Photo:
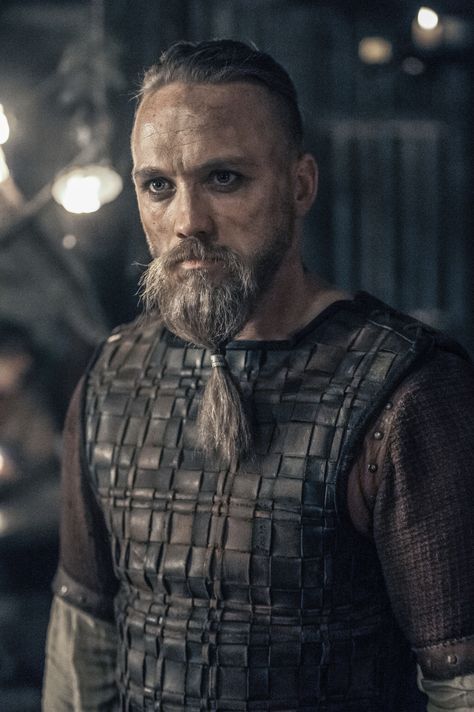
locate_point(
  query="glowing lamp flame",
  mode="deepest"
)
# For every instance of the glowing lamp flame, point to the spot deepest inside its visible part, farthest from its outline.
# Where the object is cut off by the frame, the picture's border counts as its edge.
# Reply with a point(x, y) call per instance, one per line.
point(81, 194)
point(85, 189)
point(427, 18)
point(4, 127)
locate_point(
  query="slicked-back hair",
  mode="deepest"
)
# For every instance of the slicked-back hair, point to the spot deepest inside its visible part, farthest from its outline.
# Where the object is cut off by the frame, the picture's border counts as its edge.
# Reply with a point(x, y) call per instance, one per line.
point(222, 62)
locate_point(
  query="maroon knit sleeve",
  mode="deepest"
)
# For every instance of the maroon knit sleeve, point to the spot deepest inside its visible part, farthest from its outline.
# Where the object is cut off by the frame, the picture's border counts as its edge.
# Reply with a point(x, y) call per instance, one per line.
point(85, 575)
point(424, 515)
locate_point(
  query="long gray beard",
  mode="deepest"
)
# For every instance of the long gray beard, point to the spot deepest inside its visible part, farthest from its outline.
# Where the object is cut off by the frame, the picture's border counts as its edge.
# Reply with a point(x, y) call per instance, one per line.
point(191, 305)
point(209, 314)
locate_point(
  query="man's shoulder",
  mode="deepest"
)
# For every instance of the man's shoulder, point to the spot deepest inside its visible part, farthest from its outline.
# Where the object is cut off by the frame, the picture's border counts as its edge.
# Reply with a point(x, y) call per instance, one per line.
point(444, 381)
point(377, 317)
point(372, 310)
point(379, 346)
point(129, 345)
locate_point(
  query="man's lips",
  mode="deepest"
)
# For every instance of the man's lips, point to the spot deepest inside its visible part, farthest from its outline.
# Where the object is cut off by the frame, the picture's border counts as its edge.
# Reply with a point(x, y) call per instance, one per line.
point(198, 264)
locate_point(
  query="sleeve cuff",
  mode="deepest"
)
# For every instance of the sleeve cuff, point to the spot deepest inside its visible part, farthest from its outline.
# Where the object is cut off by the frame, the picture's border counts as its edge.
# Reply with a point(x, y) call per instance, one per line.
point(81, 597)
point(447, 659)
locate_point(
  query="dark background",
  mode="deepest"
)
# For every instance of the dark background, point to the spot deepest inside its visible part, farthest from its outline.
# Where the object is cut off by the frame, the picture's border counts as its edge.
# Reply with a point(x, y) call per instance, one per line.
point(394, 215)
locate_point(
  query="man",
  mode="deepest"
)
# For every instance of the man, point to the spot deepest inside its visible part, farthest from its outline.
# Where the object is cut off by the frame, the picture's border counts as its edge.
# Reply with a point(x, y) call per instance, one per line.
point(269, 477)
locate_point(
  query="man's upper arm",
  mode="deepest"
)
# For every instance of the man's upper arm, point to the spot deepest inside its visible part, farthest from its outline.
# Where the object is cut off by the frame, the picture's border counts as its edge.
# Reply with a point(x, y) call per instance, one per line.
point(424, 516)
point(85, 576)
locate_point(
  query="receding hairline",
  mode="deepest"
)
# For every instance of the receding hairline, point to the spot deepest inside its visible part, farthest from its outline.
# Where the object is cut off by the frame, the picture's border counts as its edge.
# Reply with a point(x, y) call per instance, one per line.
point(275, 103)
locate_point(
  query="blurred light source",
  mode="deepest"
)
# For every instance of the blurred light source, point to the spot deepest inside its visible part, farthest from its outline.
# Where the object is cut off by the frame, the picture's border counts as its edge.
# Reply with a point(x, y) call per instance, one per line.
point(413, 66)
point(4, 172)
point(427, 18)
point(375, 50)
point(69, 242)
point(427, 29)
point(4, 127)
point(7, 468)
point(84, 189)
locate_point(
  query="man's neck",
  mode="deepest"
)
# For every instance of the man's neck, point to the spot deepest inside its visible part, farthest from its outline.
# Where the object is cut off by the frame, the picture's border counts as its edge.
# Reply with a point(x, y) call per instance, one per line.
point(294, 299)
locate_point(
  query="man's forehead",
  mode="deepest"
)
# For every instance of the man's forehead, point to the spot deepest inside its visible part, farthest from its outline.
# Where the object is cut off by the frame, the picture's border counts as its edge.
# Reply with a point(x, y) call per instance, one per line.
point(171, 122)
point(202, 108)
point(181, 127)
point(191, 143)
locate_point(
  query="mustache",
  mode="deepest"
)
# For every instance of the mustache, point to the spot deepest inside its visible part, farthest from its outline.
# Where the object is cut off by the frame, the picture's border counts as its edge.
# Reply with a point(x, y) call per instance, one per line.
point(189, 305)
point(194, 249)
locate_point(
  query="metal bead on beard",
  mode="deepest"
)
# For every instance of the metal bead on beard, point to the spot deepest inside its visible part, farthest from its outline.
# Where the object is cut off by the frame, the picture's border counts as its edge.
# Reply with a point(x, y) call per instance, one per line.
point(208, 312)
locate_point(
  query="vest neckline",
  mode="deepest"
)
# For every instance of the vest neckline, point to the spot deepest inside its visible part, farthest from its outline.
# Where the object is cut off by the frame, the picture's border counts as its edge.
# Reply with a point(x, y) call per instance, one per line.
point(286, 344)
point(361, 301)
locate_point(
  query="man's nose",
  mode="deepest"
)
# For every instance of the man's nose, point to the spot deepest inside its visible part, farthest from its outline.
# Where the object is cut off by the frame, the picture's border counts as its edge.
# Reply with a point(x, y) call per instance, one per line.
point(193, 216)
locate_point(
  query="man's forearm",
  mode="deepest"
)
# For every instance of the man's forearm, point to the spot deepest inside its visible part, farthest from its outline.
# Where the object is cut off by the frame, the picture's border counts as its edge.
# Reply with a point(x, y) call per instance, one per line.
point(455, 695)
point(80, 662)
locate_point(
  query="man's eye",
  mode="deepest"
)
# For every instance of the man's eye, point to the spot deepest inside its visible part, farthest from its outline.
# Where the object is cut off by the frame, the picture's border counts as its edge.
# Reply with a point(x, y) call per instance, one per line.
point(224, 178)
point(158, 185)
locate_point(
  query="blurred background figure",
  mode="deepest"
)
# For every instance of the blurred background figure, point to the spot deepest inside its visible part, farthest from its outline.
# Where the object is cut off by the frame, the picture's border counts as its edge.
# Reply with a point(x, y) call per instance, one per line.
point(27, 425)
point(29, 449)
point(387, 94)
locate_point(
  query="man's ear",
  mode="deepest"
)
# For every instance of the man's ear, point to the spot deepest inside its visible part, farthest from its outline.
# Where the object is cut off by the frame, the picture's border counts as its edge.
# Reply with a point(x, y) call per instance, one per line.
point(305, 183)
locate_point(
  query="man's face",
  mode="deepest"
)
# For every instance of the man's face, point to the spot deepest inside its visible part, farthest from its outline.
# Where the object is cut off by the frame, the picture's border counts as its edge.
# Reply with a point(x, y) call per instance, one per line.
point(211, 161)
point(213, 169)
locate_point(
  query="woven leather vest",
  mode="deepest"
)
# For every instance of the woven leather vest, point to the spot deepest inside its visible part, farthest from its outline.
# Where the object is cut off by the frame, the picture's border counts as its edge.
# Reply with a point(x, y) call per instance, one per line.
point(247, 588)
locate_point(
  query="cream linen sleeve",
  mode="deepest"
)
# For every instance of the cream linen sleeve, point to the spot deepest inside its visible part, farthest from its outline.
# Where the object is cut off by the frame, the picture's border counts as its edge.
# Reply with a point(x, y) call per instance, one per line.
point(455, 695)
point(80, 662)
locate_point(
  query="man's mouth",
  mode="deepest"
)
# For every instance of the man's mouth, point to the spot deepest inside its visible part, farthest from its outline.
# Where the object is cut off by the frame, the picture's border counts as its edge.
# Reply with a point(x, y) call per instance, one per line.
point(198, 264)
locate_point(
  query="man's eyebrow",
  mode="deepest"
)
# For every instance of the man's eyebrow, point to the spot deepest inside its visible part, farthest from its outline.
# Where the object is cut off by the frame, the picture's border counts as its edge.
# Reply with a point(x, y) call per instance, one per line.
point(148, 172)
point(227, 162)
